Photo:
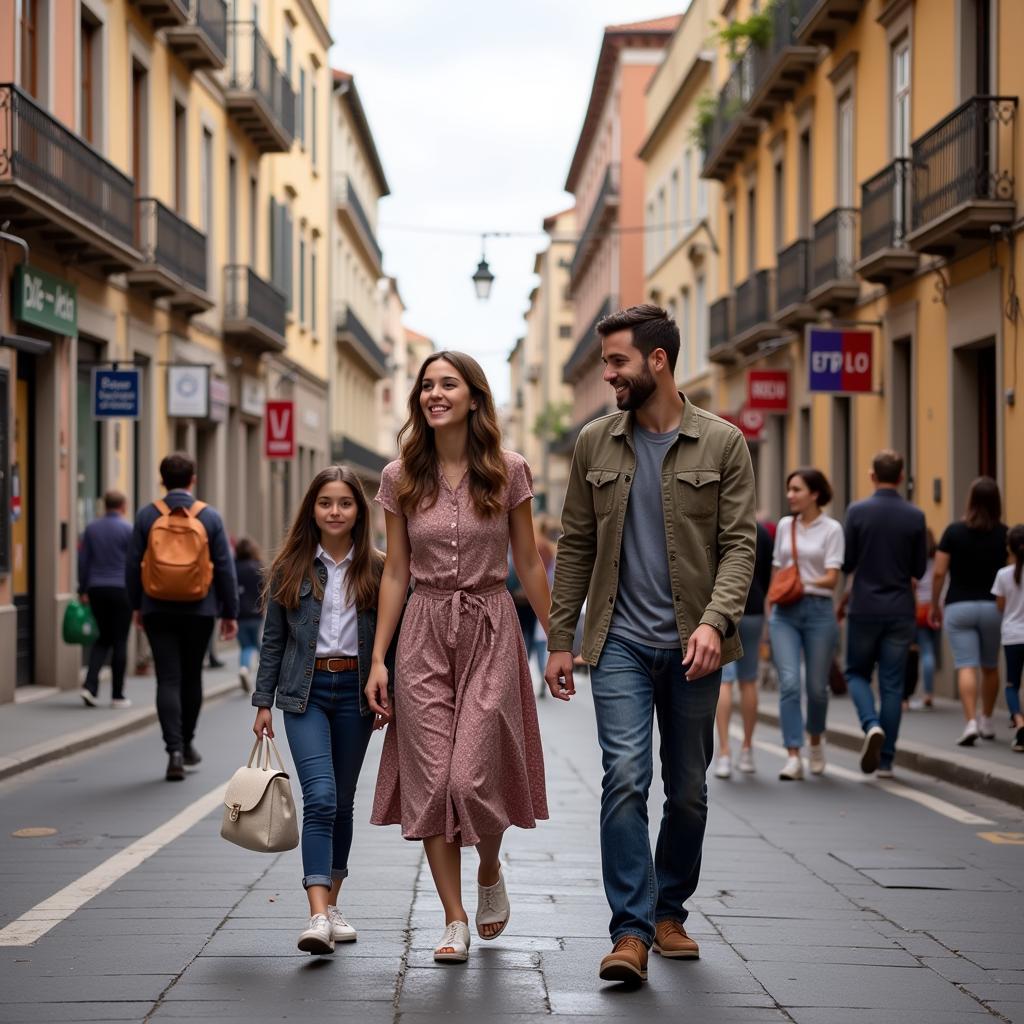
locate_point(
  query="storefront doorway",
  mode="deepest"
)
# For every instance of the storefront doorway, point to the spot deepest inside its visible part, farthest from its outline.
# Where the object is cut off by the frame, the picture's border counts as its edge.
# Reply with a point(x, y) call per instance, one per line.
point(22, 487)
point(89, 470)
point(975, 426)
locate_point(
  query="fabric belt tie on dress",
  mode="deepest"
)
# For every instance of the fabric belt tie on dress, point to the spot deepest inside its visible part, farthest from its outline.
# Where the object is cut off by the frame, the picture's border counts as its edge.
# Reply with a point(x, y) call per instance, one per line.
point(463, 601)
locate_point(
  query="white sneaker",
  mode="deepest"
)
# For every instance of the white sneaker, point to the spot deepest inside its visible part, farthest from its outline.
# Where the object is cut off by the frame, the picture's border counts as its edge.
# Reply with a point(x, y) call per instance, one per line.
point(885, 773)
point(244, 680)
point(317, 938)
point(120, 702)
point(915, 704)
point(89, 698)
point(969, 735)
point(341, 930)
point(871, 749)
point(817, 758)
point(455, 943)
point(792, 770)
point(723, 767)
point(747, 761)
point(986, 729)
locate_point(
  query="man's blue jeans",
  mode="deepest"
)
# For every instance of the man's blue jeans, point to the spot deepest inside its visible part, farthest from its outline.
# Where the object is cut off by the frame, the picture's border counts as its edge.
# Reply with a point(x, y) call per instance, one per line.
point(885, 642)
point(631, 683)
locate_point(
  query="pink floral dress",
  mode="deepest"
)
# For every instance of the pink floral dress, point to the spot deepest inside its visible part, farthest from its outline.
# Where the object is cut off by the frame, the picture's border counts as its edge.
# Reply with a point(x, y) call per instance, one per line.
point(462, 756)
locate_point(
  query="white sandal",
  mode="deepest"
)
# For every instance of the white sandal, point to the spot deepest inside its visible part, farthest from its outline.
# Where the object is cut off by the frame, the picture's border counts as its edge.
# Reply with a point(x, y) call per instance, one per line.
point(492, 907)
point(456, 937)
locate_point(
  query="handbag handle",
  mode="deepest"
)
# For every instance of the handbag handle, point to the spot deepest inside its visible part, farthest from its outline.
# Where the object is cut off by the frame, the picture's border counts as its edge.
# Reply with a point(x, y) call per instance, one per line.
point(796, 561)
point(264, 745)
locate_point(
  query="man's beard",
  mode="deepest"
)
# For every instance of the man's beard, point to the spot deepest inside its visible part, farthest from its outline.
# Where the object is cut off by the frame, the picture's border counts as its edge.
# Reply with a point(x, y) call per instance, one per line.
point(638, 390)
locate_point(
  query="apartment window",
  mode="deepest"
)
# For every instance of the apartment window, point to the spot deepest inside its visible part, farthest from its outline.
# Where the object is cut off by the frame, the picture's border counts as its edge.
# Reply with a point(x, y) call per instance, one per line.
point(901, 98)
point(301, 119)
point(751, 231)
point(207, 194)
point(232, 210)
point(702, 198)
point(673, 229)
point(731, 244)
point(312, 286)
point(687, 186)
point(288, 57)
point(180, 158)
point(662, 218)
point(281, 252)
point(700, 301)
point(89, 66)
point(313, 122)
point(140, 127)
point(803, 191)
point(685, 330)
point(302, 280)
point(253, 221)
point(32, 39)
point(844, 149)
point(779, 214)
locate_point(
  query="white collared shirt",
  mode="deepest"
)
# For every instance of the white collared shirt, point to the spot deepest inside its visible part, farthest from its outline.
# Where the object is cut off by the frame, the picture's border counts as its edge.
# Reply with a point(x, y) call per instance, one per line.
point(339, 634)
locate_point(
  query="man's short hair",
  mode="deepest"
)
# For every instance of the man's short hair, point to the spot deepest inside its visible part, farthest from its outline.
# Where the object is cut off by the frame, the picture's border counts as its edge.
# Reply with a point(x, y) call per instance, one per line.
point(114, 501)
point(887, 466)
point(650, 327)
point(177, 470)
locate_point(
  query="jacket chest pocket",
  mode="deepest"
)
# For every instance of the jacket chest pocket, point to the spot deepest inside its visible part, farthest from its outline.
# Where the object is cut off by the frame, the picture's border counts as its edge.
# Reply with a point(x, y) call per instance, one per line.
point(298, 616)
point(602, 489)
point(697, 492)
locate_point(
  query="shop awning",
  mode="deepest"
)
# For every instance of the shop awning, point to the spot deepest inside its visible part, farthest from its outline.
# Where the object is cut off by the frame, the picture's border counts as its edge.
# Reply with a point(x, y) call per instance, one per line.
point(30, 346)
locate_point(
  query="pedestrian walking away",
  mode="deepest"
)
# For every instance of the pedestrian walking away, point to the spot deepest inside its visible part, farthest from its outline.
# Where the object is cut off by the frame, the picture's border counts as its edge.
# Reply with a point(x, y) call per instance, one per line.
point(744, 672)
point(249, 573)
point(1009, 594)
point(809, 546)
point(179, 571)
point(886, 550)
point(659, 538)
point(462, 758)
point(102, 557)
point(972, 551)
point(321, 603)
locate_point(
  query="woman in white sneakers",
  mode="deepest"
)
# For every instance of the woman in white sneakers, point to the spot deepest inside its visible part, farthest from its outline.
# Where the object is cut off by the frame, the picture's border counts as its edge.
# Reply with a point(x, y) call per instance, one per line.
point(1009, 593)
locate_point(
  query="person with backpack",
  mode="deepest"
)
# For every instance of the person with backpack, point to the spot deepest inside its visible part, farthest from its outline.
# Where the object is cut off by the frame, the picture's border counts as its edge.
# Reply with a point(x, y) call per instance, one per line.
point(179, 571)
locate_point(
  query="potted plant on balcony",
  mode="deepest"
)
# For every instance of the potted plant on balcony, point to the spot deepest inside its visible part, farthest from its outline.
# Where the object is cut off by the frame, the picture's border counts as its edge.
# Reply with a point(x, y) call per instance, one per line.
point(738, 36)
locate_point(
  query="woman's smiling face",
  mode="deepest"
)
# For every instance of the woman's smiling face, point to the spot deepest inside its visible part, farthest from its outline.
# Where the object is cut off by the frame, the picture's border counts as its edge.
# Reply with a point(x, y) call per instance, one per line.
point(445, 397)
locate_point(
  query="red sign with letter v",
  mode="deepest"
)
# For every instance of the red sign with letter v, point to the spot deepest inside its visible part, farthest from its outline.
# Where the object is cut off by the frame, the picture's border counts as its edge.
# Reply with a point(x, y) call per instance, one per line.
point(279, 430)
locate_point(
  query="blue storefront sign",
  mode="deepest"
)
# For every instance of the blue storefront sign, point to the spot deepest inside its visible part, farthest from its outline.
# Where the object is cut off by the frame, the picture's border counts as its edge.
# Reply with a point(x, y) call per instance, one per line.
point(115, 394)
point(839, 362)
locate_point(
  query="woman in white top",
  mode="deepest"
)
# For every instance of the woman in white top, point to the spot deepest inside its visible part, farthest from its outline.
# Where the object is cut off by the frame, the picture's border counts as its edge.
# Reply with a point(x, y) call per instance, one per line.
point(1009, 593)
point(808, 626)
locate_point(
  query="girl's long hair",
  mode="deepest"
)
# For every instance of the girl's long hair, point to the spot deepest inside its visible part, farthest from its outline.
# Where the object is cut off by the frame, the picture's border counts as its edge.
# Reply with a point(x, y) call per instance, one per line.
point(984, 505)
point(1015, 542)
point(418, 483)
point(294, 562)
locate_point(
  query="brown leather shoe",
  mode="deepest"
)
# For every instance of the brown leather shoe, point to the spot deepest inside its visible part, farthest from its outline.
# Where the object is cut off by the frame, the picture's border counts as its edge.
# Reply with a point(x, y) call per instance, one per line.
point(626, 963)
point(671, 940)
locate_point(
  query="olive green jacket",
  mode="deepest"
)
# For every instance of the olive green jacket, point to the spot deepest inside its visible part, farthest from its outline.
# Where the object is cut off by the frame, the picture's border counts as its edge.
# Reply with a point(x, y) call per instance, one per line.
point(707, 488)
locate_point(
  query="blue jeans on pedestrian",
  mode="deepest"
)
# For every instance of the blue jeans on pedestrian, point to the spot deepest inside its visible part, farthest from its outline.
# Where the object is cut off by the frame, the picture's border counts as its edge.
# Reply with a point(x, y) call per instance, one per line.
point(807, 627)
point(249, 640)
point(631, 683)
point(1014, 654)
point(328, 743)
point(885, 642)
point(926, 637)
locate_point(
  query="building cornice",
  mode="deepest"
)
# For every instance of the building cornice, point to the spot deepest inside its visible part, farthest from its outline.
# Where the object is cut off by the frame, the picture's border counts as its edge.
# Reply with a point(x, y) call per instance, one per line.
point(700, 66)
point(892, 11)
point(320, 30)
point(345, 86)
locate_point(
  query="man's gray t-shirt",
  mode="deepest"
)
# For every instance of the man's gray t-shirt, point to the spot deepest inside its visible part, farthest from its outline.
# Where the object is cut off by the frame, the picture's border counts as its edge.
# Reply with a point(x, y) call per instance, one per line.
point(644, 611)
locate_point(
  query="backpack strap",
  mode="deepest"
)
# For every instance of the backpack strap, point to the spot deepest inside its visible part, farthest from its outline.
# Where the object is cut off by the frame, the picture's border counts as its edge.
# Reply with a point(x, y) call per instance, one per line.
point(162, 507)
point(195, 508)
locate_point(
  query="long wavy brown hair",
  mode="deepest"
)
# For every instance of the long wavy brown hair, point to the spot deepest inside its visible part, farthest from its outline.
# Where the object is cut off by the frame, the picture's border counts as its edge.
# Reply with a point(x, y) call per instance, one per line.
point(418, 483)
point(294, 562)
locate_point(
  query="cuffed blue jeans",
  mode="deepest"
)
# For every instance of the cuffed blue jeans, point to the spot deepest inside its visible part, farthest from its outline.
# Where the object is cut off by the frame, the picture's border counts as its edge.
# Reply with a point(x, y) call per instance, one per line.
point(328, 743)
point(885, 642)
point(807, 627)
point(631, 683)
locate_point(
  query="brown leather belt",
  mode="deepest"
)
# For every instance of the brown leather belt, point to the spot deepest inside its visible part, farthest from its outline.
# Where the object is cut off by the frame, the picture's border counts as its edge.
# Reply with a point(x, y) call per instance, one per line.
point(336, 664)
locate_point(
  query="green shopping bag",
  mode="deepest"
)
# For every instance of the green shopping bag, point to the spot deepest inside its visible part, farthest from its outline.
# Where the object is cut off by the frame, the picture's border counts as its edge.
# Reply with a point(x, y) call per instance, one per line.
point(79, 624)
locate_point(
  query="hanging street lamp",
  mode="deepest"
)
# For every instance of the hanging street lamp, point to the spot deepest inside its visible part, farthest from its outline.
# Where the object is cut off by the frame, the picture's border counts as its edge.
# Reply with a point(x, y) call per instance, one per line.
point(483, 278)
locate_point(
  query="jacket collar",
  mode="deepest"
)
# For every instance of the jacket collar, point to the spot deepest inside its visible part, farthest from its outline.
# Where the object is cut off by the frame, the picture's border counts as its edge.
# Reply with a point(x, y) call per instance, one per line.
point(689, 422)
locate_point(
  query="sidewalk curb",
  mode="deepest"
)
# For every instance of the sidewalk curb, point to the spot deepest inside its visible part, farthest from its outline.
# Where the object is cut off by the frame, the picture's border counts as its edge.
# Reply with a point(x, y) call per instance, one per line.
point(948, 765)
point(94, 736)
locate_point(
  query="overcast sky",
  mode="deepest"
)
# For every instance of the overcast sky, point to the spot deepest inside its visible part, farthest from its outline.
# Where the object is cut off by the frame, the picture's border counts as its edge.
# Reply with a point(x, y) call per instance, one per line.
point(475, 109)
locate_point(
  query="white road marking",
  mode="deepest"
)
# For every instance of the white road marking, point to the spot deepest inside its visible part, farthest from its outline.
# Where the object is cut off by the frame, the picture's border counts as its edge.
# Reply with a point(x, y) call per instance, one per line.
point(35, 923)
point(933, 803)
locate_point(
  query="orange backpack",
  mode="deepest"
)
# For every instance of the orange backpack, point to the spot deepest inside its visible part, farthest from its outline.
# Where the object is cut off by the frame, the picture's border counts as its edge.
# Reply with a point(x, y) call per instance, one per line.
point(177, 564)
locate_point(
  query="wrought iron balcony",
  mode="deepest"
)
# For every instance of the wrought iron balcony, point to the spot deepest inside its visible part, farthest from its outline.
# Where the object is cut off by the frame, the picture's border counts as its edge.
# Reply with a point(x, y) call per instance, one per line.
point(963, 176)
point(365, 462)
point(258, 96)
point(254, 310)
point(353, 336)
point(884, 220)
point(822, 22)
point(754, 322)
point(720, 331)
point(202, 41)
point(586, 343)
point(163, 13)
point(833, 252)
point(733, 128)
point(792, 283)
point(351, 208)
point(605, 206)
point(173, 258)
point(52, 179)
point(783, 64)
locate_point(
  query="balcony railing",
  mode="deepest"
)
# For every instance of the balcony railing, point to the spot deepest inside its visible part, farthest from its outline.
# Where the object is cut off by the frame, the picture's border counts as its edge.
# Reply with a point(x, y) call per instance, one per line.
point(885, 208)
point(823, 21)
point(791, 275)
point(364, 222)
point(248, 299)
point(585, 342)
point(968, 157)
point(833, 247)
point(203, 40)
point(608, 192)
point(53, 170)
point(350, 324)
point(730, 112)
point(779, 67)
point(162, 13)
point(254, 71)
point(168, 241)
point(719, 323)
point(754, 301)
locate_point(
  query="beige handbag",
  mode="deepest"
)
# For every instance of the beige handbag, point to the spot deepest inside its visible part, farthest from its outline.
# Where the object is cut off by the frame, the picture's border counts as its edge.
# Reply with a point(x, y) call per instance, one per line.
point(259, 813)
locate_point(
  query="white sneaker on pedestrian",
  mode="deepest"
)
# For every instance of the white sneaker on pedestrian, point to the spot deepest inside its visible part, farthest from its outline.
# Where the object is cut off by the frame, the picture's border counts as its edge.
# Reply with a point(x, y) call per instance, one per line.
point(969, 735)
point(817, 758)
point(871, 749)
point(792, 770)
point(341, 930)
point(89, 698)
point(120, 702)
point(885, 773)
point(915, 704)
point(244, 680)
point(746, 762)
point(454, 945)
point(318, 937)
point(723, 767)
point(986, 730)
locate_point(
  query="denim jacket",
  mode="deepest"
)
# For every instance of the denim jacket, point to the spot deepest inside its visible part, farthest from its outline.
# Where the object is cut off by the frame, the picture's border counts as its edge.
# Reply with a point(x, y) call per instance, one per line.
point(288, 651)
